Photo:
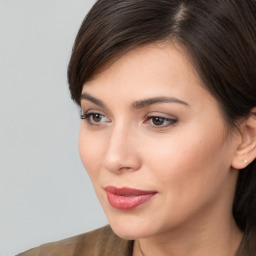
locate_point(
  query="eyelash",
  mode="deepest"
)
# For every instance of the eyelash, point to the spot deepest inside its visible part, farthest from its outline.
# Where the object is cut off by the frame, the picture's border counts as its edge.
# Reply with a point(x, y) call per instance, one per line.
point(88, 117)
point(169, 121)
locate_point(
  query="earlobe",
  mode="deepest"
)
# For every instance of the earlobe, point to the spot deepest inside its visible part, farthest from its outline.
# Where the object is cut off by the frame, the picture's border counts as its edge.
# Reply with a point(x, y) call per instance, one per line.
point(246, 150)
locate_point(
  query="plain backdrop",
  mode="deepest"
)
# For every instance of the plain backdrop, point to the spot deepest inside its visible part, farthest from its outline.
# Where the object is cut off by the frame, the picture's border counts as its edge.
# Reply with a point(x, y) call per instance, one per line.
point(45, 193)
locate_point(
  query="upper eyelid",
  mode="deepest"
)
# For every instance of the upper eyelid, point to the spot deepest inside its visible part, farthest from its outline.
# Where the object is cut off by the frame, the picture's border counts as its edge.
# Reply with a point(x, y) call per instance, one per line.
point(87, 110)
point(93, 110)
point(162, 115)
point(154, 114)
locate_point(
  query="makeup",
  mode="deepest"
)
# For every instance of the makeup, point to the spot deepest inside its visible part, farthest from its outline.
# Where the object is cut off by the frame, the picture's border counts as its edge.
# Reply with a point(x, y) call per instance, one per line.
point(127, 198)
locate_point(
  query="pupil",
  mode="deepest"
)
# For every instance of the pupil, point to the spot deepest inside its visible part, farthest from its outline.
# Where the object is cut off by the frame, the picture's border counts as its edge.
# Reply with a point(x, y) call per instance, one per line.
point(96, 117)
point(158, 121)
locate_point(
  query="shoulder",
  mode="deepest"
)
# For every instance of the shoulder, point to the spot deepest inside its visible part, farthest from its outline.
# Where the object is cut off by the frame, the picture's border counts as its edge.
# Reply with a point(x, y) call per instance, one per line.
point(100, 242)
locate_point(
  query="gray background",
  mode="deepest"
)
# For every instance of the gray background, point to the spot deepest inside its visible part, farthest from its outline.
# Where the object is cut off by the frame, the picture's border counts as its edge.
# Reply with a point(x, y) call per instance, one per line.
point(45, 193)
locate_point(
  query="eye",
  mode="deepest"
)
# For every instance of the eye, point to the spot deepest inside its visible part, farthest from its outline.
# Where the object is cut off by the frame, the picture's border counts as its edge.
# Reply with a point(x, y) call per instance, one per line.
point(94, 118)
point(160, 121)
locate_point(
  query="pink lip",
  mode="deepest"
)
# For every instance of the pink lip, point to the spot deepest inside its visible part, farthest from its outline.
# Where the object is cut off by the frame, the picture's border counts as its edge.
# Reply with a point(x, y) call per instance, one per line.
point(127, 198)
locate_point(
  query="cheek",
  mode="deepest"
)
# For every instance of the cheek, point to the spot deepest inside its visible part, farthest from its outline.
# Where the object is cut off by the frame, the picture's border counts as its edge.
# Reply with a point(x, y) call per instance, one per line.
point(189, 163)
point(192, 169)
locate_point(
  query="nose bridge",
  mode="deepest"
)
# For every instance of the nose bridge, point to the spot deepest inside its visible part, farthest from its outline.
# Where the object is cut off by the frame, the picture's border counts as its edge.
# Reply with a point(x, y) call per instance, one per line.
point(121, 152)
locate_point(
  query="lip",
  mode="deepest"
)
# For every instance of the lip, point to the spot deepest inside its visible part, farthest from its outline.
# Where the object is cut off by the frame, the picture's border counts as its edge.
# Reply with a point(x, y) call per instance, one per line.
point(127, 198)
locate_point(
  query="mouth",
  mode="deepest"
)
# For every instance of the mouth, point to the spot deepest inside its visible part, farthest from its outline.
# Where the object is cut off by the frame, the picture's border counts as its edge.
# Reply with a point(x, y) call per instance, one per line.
point(127, 198)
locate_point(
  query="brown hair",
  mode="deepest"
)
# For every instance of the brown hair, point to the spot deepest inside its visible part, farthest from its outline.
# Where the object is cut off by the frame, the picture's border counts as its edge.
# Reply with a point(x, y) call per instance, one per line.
point(219, 36)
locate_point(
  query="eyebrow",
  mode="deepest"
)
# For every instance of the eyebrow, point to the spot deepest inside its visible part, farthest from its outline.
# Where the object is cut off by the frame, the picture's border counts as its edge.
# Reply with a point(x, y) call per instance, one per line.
point(137, 104)
point(87, 96)
point(156, 100)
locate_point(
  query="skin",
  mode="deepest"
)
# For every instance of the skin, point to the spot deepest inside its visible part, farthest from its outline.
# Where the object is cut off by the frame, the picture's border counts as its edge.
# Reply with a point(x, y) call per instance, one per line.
point(186, 157)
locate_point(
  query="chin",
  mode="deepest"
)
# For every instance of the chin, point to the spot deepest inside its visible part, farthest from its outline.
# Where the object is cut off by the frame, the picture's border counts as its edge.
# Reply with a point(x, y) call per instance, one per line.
point(128, 233)
point(131, 228)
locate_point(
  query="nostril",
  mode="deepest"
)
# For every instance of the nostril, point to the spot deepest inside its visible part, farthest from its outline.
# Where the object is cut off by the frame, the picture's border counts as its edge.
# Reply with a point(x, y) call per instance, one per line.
point(122, 162)
point(125, 169)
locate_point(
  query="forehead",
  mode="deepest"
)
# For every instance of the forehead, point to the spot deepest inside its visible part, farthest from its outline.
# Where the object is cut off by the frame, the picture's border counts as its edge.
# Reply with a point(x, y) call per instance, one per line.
point(147, 69)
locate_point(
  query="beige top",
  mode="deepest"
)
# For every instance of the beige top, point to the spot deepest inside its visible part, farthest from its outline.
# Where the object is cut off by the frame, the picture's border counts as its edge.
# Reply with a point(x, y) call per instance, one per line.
point(100, 242)
point(104, 242)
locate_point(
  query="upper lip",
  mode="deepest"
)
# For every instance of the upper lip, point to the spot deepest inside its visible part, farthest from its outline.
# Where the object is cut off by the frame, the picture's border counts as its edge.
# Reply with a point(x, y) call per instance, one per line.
point(125, 191)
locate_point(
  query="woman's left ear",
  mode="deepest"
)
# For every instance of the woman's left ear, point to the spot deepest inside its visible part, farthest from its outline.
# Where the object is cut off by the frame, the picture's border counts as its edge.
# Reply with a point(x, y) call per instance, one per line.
point(246, 151)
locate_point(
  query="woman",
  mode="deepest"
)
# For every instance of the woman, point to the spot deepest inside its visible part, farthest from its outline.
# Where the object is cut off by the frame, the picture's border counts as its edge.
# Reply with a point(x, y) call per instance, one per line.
point(168, 134)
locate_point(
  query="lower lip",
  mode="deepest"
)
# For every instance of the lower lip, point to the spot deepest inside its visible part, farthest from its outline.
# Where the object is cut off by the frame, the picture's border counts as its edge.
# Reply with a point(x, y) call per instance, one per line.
point(127, 202)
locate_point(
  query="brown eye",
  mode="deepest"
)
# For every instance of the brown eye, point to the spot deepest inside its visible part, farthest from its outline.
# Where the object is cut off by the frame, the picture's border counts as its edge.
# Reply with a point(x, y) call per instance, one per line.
point(158, 120)
point(96, 117)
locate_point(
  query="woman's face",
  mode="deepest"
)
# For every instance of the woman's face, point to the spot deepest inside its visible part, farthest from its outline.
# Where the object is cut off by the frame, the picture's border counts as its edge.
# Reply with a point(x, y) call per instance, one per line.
point(154, 144)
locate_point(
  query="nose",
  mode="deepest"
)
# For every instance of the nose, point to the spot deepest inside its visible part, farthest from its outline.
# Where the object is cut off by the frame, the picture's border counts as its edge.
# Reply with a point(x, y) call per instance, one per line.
point(122, 151)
